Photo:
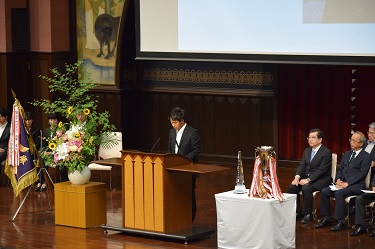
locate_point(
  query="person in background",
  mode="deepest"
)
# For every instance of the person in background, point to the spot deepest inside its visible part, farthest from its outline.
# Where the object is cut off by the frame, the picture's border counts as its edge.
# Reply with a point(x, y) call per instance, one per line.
point(313, 174)
point(184, 140)
point(360, 212)
point(370, 148)
point(350, 180)
point(366, 198)
point(4, 133)
point(49, 133)
point(36, 134)
point(79, 124)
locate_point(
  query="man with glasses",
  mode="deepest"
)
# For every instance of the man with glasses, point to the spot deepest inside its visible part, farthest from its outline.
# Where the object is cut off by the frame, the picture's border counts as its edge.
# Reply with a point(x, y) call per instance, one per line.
point(4, 134)
point(313, 174)
point(350, 180)
point(370, 147)
point(366, 198)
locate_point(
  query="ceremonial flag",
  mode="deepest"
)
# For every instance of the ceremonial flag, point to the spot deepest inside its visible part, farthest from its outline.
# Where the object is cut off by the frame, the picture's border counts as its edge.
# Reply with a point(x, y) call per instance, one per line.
point(22, 158)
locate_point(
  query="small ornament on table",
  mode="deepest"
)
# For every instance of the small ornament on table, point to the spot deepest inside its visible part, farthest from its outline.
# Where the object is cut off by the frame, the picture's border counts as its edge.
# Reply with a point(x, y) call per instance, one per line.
point(240, 187)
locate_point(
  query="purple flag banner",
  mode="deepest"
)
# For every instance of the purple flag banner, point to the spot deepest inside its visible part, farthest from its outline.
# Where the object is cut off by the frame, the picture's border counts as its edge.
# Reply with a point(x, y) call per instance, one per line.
point(22, 158)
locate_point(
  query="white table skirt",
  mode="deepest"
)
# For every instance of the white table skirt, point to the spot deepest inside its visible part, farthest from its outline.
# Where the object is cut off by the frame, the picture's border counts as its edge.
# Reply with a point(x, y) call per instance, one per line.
point(244, 222)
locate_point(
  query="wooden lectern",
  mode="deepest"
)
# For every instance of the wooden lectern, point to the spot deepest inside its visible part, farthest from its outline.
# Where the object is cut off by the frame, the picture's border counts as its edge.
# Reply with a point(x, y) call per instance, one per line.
point(157, 194)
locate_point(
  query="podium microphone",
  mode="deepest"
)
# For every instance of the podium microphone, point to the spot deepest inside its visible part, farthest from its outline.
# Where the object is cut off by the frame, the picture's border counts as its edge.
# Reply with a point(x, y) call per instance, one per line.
point(157, 141)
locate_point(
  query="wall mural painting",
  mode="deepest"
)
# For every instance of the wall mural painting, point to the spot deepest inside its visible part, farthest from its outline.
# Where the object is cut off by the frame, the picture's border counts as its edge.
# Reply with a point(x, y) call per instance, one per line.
point(98, 24)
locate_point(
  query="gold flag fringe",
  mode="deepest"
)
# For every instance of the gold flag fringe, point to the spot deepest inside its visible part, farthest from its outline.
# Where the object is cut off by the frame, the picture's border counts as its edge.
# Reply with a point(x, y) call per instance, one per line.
point(26, 180)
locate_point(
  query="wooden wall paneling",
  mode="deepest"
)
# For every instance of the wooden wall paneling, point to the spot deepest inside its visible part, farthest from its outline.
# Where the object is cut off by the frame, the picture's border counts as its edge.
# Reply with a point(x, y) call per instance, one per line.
point(219, 125)
point(41, 63)
point(255, 124)
point(130, 109)
point(18, 78)
point(165, 125)
point(40, 66)
point(3, 81)
point(157, 118)
point(231, 121)
point(226, 123)
point(182, 101)
point(197, 115)
point(186, 103)
point(244, 126)
point(208, 132)
point(145, 121)
point(111, 102)
point(267, 119)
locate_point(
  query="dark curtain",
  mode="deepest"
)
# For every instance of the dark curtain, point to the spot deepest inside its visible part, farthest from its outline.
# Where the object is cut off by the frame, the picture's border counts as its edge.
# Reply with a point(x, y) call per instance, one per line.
point(313, 96)
point(363, 111)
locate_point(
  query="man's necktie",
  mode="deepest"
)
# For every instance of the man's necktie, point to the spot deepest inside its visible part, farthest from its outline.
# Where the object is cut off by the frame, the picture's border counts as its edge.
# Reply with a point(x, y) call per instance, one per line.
point(352, 157)
point(312, 155)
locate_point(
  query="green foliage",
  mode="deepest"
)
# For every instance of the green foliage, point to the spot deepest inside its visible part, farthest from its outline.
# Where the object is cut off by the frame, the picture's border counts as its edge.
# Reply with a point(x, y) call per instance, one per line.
point(75, 85)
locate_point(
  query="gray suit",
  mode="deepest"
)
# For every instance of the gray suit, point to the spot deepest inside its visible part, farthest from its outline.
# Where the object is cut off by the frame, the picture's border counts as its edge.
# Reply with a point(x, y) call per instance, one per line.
point(372, 154)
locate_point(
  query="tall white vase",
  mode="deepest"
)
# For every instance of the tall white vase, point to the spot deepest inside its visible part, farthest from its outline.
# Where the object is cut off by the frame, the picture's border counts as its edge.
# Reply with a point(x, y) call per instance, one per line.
point(79, 178)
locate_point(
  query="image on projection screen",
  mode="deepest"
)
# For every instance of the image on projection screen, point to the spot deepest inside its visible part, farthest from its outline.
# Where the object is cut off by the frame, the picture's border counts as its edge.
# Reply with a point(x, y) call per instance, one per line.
point(293, 27)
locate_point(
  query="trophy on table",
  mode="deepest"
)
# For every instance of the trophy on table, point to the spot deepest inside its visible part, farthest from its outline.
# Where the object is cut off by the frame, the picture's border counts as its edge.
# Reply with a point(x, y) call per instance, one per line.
point(265, 183)
point(240, 187)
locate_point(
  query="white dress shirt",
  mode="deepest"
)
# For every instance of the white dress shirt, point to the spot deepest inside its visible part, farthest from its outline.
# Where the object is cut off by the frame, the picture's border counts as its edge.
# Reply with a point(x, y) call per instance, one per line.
point(178, 137)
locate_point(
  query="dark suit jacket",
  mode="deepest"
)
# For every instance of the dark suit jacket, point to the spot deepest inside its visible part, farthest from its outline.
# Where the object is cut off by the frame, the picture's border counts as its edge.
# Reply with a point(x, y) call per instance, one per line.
point(354, 173)
point(189, 144)
point(47, 135)
point(319, 169)
point(372, 154)
point(35, 133)
point(5, 137)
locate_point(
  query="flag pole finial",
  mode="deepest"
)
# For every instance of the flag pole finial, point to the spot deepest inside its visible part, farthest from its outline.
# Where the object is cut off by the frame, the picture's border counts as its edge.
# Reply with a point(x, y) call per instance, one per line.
point(13, 93)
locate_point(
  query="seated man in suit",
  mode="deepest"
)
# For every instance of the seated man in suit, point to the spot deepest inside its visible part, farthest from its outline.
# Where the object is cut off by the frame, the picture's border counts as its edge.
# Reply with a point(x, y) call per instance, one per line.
point(350, 180)
point(4, 133)
point(360, 212)
point(365, 199)
point(370, 147)
point(184, 140)
point(313, 174)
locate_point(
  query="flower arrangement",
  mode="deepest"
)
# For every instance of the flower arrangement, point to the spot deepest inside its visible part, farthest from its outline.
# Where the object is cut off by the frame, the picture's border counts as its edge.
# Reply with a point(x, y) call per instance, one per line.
point(75, 142)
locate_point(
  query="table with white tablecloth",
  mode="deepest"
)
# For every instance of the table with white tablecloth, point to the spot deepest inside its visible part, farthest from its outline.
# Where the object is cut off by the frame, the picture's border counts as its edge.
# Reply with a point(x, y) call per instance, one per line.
point(244, 222)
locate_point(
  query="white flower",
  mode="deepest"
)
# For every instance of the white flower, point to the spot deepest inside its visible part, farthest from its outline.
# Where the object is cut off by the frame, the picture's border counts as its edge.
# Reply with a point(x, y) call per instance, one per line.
point(62, 151)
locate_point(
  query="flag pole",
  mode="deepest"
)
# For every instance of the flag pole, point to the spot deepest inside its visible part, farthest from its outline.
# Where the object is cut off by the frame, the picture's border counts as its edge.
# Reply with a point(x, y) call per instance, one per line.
point(23, 154)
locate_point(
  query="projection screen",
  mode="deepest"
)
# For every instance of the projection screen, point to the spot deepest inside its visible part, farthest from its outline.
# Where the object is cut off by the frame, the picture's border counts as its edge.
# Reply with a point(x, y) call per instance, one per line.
point(302, 31)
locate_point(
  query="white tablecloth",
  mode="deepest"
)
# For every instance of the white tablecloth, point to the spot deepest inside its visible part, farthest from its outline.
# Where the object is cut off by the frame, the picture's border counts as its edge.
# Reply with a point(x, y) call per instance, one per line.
point(244, 222)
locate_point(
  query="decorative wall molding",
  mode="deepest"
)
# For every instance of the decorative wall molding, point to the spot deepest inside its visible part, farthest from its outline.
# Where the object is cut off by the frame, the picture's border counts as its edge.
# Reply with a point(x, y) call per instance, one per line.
point(208, 76)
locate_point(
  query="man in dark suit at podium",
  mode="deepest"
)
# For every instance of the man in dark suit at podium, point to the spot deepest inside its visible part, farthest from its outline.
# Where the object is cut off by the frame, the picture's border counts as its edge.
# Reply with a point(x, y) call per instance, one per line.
point(184, 140)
